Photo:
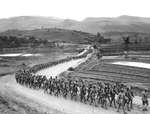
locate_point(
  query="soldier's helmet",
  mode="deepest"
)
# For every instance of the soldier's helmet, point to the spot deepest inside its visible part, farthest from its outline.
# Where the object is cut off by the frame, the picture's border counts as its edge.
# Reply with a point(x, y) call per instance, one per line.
point(122, 90)
point(94, 86)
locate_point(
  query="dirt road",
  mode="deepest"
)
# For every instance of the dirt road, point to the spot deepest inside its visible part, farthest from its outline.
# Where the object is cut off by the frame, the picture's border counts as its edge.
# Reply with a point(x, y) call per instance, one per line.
point(16, 99)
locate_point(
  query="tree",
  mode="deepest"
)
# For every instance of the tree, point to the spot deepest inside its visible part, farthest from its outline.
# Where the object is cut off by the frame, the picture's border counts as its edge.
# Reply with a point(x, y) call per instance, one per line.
point(136, 38)
point(126, 42)
point(99, 38)
point(126, 45)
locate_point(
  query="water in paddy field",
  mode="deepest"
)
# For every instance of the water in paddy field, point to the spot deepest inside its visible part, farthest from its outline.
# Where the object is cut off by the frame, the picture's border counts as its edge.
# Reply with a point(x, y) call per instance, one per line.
point(133, 64)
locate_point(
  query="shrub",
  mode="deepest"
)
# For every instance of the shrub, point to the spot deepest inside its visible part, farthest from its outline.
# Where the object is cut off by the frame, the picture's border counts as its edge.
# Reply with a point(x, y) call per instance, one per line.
point(70, 69)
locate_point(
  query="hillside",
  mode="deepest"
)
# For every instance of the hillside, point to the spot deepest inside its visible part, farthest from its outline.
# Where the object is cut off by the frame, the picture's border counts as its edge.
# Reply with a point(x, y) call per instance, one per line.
point(28, 22)
point(52, 34)
point(92, 25)
point(118, 24)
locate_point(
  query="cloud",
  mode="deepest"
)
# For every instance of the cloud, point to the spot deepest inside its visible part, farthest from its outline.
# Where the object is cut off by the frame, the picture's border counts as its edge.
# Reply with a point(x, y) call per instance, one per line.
point(74, 9)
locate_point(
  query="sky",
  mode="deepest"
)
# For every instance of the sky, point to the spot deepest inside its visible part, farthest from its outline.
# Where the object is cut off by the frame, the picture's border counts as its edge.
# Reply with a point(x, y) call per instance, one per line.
point(74, 9)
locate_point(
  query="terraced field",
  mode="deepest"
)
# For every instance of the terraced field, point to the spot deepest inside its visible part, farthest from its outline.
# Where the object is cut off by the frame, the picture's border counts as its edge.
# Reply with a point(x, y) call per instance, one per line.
point(102, 70)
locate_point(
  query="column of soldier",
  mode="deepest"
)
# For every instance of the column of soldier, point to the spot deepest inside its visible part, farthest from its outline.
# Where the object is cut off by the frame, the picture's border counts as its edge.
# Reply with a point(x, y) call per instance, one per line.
point(38, 67)
point(96, 94)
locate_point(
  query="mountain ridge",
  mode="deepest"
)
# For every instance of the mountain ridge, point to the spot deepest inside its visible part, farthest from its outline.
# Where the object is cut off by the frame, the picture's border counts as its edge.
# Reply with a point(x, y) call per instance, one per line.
point(122, 23)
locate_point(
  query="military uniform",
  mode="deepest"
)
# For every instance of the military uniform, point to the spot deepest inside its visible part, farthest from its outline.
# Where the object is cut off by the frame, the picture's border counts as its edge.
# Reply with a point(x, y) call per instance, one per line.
point(145, 100)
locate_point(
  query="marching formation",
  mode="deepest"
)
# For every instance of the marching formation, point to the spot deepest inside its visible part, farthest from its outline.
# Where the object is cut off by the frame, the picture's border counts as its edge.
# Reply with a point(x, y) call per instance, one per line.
point(38, 67)
point(96, 94)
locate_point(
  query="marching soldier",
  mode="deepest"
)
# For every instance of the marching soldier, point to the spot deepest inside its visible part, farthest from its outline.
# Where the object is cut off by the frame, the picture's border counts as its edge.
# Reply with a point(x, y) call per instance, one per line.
point(121, 101)
point(129, 95)
point(112, 96)
point(145, 99)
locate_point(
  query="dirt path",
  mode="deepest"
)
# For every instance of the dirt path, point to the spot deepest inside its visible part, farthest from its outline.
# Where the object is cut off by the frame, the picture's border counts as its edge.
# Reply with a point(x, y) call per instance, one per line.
point(56, 70)
point(28, 101)
point(43, 102)
point(16, 99)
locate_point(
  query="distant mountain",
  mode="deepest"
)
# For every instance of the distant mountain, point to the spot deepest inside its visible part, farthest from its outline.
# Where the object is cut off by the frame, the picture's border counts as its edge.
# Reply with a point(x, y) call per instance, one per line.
point(28, 22)
point(119, 24)
point(92, 25)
